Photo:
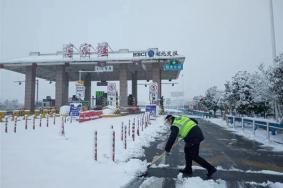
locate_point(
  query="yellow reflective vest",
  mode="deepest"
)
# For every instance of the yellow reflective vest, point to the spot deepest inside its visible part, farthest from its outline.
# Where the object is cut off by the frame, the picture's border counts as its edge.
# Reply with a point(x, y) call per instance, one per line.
point(185, 124)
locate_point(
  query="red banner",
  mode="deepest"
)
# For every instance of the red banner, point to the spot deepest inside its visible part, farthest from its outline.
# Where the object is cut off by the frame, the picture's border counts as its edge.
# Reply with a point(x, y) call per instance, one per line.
point(89, 115)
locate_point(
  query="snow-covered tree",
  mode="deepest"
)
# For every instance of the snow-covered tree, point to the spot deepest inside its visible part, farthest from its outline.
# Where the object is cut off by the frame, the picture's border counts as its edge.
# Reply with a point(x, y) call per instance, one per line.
point(212, 99)
point(242, 89)
point(250, 93)
point(198, 103)
point(229, 98)
point(261, 93)
point(276, 80)
point(10, 105)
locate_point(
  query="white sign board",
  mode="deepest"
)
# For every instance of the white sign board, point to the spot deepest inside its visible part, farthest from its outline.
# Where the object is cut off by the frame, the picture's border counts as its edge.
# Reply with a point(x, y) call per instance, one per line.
point(153, 87)
point(111, 89)
point(108, 68)
point(111, 93)
point(153, 91)
point(80, 91)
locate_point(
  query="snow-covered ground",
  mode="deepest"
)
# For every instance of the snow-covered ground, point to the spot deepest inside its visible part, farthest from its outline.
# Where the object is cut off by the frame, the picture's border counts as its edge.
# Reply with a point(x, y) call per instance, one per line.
point(260, 134)
point(43, 158)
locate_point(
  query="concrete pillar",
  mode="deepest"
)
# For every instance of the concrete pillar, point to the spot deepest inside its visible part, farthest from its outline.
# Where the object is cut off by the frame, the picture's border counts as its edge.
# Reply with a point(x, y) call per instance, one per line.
point(134, 87)
point(156, 77)
point(66, 90)
point(123, 86)
point(87, 83)
point(61, 87)
point(30, 87)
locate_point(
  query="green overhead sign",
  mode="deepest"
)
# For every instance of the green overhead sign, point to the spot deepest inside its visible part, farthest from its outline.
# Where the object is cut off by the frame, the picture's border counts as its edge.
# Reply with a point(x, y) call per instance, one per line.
point(173, 66)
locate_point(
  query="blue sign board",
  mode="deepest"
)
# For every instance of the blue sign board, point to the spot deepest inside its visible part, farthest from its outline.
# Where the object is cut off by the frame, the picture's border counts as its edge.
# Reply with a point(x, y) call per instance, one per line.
point(75, 109)
point(151, 109)
point(173, 67)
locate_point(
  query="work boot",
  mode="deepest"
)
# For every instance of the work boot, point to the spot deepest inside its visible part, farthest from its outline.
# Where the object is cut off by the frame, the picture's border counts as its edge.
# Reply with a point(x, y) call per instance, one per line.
point(211, 171)
point(186, 171)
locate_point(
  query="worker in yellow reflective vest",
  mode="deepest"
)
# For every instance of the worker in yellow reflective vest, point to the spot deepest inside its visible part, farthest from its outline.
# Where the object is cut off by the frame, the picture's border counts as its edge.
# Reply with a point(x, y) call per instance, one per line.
point(187, 129)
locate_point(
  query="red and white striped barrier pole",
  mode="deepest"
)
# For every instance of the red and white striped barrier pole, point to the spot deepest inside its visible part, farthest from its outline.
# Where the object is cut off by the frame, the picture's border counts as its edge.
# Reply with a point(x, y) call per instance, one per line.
point(142, 124)
point(54, 119)
point(145, 124)
point(26, 122)
point(33, 122)
point(125, 140)
point(95, 145)
point(6, 125)
point(138, 129)
point(133, 131)
point(113, 146)
point(62, 127)
point(15, 126)
point(47, 120)
point(129, 128)
point(40, 119)
point(122, 131)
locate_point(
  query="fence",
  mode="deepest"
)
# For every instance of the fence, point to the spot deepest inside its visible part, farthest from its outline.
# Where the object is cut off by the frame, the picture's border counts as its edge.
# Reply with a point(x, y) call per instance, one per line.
point(125, 135)
point(255, 123)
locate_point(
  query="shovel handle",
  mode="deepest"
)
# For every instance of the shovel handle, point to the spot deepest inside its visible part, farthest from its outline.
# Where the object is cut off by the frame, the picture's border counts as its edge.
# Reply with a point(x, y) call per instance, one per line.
point(162, 154)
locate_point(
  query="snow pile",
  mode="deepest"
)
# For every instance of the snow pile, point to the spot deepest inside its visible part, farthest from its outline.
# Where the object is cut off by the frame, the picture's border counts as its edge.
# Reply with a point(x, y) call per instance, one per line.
point(267, 184)
point(270, 172)
point(109, 110)
point(64, 110)
point(152, 182)
point(260, 134)
point(43, 158)
point(196, 182)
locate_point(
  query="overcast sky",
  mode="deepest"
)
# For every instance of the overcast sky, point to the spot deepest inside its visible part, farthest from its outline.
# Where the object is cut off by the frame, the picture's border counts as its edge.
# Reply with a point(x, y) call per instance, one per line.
point(217, 37)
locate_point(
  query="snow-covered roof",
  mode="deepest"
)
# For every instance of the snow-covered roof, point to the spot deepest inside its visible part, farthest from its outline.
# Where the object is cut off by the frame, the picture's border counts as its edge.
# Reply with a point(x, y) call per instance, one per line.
point(140, 61)
point(58, 57)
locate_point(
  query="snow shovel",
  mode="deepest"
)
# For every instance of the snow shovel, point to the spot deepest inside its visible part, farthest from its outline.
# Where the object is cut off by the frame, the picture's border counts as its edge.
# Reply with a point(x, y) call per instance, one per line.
point(157, 159)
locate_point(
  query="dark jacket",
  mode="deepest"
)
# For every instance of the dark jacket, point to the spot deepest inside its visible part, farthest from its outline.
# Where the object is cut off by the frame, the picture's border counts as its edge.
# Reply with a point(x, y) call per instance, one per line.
point(195, 136)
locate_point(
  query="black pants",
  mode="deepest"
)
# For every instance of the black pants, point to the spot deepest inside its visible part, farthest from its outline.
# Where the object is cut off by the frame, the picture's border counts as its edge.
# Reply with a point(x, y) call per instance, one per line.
point(192, 153)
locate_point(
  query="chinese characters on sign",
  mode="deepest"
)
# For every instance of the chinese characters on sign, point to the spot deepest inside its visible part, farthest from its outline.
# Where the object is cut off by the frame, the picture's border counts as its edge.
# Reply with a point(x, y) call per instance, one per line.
point(85, 50)
point(173, 67)
point(151, 53)
point(102, 49)
point(75, 109)
point(166, 53)
point(80, 91)
point(111, 93)
point(68, 50)
point(108, 68)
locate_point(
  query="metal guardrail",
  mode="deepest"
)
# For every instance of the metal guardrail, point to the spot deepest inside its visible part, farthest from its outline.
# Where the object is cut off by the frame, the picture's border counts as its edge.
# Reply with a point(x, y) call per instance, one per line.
point(269, 125)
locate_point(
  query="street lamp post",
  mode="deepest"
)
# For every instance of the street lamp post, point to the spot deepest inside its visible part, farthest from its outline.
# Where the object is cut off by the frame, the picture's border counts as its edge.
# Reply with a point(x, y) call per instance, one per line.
point(272, 30)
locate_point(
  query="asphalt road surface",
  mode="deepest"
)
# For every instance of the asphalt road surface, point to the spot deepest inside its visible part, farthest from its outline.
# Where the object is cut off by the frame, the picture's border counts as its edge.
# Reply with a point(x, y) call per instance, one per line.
point(234, 156)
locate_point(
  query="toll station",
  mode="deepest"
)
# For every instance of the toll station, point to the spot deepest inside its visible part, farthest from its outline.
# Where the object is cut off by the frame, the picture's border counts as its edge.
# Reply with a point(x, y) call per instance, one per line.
point(87, 63)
